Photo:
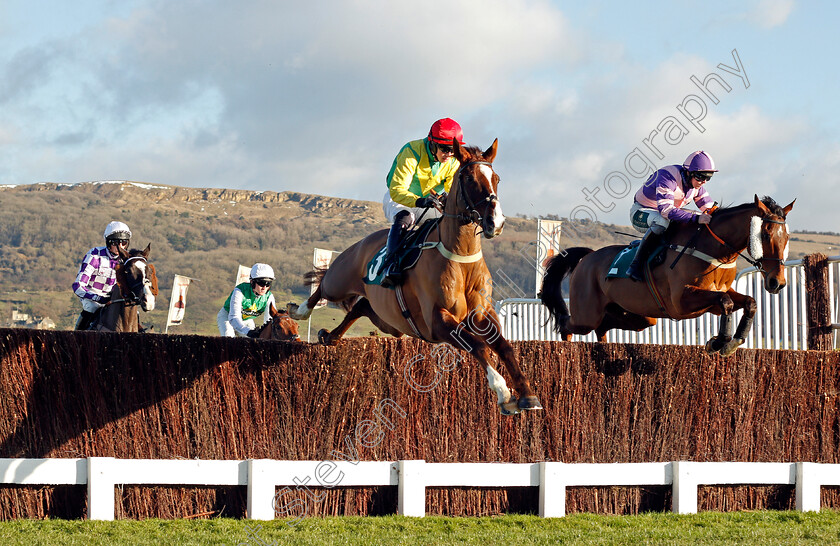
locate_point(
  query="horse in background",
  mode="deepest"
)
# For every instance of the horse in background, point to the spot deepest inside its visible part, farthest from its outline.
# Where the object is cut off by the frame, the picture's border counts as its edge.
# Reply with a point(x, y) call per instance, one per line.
point(136, 285)
point(446, 297)
point(700, 282)
point(281, 327)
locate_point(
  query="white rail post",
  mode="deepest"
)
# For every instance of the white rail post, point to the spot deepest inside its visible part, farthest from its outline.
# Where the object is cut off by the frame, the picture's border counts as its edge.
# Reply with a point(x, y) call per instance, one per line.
point(552, 490)
point(411, 491)
point(684, 488)
point(260, 491)
point(100, 488)
point(807, 487)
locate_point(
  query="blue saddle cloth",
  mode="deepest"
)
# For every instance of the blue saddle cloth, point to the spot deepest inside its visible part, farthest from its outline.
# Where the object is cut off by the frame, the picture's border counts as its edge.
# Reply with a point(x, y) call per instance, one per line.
point(408, 253)
point(621, 262)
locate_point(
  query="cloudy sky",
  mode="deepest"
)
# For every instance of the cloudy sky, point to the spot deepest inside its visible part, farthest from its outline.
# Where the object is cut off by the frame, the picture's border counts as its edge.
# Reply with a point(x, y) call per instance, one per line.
point(319, 96)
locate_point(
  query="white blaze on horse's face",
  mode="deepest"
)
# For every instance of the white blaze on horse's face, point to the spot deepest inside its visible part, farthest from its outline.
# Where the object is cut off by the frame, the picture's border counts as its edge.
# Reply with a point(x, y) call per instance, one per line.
point(495, 221)
point(147, 302)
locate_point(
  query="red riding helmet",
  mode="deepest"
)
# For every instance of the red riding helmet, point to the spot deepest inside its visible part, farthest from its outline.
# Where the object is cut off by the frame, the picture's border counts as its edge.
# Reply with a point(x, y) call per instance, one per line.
point(444, 130)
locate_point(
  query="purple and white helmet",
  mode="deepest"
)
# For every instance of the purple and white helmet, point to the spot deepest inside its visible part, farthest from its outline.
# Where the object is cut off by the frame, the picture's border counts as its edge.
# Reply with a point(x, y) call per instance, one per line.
point(699, 161)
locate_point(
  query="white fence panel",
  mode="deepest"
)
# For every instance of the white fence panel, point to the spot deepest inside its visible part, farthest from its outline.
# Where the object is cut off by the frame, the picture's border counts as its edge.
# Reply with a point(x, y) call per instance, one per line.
point(261, 476)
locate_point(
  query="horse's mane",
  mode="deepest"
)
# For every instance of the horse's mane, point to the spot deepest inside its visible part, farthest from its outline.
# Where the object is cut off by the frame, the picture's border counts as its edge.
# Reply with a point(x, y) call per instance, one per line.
point(774, 207)
point(473, 150)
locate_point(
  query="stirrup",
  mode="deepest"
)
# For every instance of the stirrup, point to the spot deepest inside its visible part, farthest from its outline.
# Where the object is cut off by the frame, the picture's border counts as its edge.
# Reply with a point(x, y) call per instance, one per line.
point(635, 275)
point(392, 279)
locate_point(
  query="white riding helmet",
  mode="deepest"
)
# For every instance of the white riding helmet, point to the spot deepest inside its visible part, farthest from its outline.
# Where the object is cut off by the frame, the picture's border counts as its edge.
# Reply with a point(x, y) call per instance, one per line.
point(262, 271)
point(117, 230)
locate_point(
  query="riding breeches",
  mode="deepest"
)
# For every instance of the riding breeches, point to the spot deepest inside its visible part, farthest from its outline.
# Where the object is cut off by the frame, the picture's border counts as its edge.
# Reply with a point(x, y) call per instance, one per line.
point(391, 208)
point(643, 218)
point(90, 306)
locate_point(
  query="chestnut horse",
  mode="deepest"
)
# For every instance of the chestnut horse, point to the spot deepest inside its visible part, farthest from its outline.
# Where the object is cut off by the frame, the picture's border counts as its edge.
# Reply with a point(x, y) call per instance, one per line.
point(281, 327)
point(700, 282)
point(447, 294)
point(137, 284)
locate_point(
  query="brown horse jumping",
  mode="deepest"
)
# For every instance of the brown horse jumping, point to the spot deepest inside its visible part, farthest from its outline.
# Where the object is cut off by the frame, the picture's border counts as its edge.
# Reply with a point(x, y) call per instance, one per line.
point(447, 294)
point(281, 327)
point(137, 285)
point(700, 282)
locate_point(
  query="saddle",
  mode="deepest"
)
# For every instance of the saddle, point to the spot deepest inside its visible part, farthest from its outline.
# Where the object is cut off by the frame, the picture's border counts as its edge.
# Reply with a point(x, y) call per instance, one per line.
point(407, 254)
point(621, 263)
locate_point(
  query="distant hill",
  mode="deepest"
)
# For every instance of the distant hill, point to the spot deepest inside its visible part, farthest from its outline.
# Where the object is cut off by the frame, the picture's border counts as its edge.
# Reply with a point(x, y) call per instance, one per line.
point(45, 229)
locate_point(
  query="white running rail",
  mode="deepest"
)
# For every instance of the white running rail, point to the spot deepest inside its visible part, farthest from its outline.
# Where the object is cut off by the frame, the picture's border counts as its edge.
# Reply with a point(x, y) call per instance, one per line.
point(263, 476)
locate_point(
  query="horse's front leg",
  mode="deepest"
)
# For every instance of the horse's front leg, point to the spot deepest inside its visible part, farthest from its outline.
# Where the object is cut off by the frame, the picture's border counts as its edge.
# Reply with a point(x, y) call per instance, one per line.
point(724, 336)
point(741, 301)
point(479, 335)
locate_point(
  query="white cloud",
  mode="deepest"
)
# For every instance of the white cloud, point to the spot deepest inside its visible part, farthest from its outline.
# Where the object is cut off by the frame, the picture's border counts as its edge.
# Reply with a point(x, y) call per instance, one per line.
point(769, 14)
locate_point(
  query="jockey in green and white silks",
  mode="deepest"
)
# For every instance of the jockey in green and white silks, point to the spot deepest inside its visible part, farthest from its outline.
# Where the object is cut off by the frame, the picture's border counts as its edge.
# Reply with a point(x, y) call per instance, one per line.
point(247, 301)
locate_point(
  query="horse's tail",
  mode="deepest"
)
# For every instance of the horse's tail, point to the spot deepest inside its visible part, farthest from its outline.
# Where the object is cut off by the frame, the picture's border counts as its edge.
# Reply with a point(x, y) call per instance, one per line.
point(314, 277)
point(552, 294)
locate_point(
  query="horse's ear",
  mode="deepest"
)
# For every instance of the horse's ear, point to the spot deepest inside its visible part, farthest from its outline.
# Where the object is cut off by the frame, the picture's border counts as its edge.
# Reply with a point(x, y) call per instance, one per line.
point(490, 153)
point(272, 310)
point(459, 150)
point(123, 253)
point(761, 206)
point(787, 208)
point(147, 250)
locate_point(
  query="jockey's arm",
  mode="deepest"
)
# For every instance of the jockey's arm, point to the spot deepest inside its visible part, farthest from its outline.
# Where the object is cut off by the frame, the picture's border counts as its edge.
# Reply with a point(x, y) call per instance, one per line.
point(235, 314)
point(400, 181)
point(703, 200)
point(87, 271)
point(268, 304)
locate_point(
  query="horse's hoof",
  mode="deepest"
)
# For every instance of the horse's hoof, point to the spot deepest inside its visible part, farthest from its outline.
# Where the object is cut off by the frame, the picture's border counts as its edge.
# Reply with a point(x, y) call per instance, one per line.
point(324, 337)
point(509, 407)
point(710, 346)
point(291, 309)
point(529, 403)
point(730, 348)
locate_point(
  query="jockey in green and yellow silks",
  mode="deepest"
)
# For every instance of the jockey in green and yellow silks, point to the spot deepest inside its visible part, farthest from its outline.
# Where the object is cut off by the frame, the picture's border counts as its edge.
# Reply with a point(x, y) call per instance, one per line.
point(420, 167)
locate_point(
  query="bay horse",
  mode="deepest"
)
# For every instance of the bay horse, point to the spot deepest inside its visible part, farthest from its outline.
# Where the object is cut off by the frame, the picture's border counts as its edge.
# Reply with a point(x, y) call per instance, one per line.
point(700, 282)
point(281, 327)
point(447, 295)
point(136, 284)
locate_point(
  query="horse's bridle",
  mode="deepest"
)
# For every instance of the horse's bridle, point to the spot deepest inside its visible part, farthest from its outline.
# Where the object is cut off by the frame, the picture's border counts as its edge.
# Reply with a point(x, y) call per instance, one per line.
point(471, 215)
point(752, 261)
point(135, 287)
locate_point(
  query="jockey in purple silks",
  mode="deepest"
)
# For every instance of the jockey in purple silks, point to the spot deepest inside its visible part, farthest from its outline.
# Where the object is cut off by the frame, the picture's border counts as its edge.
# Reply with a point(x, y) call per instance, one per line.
point(97, 274)
point(661, 199)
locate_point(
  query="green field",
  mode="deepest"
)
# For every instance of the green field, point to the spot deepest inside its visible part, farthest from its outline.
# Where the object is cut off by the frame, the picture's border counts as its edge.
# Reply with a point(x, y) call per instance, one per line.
point(764, 527)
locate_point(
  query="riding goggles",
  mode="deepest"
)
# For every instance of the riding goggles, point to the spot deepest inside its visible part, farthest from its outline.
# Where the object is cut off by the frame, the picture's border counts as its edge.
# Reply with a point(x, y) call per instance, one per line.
point(262, 282)
point(702, 177)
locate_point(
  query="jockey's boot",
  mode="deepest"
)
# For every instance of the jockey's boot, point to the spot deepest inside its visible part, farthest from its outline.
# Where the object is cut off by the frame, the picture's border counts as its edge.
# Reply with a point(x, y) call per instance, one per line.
point(393, 276)
point(649, 242)
point(84, 321)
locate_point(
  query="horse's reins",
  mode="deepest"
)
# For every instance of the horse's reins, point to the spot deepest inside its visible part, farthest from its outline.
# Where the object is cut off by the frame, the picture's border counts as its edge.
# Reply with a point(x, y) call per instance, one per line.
point(471, 216)
point(714, 261)
point(755, 263)
point(134, 299)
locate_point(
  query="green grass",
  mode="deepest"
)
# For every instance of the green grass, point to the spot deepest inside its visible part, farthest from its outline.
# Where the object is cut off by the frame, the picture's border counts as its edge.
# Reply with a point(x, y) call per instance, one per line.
point(764, 527)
